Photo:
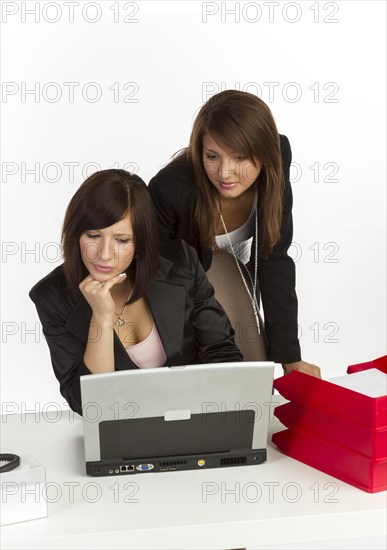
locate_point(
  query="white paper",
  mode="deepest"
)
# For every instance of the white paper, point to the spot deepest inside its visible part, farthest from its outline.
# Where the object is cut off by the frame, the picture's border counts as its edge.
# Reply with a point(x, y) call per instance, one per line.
point(371, 382)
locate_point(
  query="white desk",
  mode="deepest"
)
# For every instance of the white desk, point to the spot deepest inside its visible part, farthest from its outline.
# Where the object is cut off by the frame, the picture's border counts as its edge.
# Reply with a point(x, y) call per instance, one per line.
point(279, 504)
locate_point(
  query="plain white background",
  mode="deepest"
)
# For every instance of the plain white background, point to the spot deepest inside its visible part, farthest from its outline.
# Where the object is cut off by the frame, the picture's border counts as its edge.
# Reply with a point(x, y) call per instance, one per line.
point(88, 85)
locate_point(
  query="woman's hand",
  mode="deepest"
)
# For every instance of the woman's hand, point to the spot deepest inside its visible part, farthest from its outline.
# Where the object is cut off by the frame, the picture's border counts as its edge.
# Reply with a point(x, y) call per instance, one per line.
point(302, 366)
point(98, 295)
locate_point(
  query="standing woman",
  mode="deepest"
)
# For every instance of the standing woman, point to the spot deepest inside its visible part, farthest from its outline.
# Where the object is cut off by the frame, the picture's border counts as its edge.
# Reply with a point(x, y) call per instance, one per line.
point(228, 195)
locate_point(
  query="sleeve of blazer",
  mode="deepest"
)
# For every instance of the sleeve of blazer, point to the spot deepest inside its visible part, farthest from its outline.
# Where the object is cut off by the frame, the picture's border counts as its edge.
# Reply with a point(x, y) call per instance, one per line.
point(277, 281)
point(165, 198)
point(66, 350)
point(214, 333)
point(172, 192)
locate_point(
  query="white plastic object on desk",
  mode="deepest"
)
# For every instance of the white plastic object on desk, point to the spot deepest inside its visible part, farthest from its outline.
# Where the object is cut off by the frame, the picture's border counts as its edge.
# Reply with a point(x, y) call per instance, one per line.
point(22, 492)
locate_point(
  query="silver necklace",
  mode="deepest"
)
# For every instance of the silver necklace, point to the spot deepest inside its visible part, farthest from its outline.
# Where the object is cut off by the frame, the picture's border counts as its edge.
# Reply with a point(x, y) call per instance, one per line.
point(120, 319)
point(252, 298)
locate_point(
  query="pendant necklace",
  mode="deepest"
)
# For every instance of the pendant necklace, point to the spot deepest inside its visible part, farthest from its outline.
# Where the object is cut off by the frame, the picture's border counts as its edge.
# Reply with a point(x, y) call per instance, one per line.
point(252, 297)
point(120, 319)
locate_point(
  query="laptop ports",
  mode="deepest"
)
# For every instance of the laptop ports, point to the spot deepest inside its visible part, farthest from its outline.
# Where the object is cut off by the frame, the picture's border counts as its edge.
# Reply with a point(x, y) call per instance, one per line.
point(163, 468)
point(144, 467)
point(129, 468)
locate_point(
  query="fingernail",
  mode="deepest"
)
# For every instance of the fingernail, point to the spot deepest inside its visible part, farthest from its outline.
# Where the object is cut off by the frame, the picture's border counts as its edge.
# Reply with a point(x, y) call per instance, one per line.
point(122, 275)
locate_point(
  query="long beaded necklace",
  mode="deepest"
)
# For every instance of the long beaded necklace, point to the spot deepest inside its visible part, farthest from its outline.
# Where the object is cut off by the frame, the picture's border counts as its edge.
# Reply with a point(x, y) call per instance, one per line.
point(120, 319)
point(252, 298)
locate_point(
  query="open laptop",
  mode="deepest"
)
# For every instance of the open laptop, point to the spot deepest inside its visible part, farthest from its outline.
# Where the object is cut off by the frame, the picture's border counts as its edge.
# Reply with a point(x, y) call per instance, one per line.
point(176, 418)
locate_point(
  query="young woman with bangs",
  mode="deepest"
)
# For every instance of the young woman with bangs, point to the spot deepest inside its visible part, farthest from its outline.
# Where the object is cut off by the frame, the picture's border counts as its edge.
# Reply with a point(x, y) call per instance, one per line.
point(114, 303)
point(228, 195)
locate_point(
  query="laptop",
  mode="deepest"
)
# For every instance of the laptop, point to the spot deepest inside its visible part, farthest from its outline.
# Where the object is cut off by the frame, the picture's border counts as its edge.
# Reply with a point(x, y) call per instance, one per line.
point(176, 418)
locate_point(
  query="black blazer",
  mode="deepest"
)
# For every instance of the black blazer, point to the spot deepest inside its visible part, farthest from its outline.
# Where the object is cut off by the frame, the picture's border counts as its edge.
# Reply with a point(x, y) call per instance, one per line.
point(192, 326)
point(173, 193)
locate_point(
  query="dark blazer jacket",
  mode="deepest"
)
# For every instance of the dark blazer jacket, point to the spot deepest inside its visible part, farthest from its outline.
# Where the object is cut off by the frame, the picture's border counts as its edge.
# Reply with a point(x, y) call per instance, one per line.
point(192, 325)
point(173, 193)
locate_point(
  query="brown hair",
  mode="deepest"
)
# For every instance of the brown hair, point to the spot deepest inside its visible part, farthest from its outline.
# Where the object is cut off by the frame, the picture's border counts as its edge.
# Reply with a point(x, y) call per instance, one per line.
point(103, 199)
point(244, 123)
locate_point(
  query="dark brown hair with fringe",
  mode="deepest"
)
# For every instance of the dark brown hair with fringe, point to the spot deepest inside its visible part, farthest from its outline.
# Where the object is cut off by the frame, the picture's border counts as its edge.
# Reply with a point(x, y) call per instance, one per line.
point(103, 199)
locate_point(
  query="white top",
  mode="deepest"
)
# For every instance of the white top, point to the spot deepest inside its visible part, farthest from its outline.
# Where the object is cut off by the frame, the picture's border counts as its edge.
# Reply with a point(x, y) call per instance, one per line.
point(149, 353)
point(242, 237)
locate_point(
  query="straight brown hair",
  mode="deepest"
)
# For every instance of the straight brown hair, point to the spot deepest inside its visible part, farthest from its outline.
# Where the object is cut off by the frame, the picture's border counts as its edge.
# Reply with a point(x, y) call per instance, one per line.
point(244, 123)
point(102, 200)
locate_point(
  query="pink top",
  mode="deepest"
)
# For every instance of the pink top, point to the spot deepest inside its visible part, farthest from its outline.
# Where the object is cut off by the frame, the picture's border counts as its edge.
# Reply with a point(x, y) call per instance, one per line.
point(149, 353)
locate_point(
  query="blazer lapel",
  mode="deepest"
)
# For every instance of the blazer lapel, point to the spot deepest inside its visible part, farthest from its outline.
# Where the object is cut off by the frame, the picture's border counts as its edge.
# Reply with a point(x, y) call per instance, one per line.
point(167, 304)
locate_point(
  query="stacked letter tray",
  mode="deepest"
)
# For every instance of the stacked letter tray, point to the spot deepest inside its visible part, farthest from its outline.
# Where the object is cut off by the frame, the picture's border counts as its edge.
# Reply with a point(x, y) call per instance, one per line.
point(335, 429)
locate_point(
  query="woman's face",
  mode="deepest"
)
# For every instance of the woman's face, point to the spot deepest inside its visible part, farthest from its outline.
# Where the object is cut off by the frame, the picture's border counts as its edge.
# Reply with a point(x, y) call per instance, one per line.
point(229, 171)
point(109, 251)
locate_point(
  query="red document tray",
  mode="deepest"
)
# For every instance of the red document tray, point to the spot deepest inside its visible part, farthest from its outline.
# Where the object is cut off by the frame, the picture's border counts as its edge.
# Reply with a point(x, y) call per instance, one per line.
point(319, 394)
point(335, 428)
point(353, 468)
point(380, 363)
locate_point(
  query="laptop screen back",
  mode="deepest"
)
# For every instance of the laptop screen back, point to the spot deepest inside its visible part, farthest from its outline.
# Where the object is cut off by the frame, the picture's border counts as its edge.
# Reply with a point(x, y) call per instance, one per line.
point(177, 410)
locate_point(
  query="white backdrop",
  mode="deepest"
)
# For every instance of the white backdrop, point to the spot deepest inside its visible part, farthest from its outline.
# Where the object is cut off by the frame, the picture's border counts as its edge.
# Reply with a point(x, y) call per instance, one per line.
point(89, 85)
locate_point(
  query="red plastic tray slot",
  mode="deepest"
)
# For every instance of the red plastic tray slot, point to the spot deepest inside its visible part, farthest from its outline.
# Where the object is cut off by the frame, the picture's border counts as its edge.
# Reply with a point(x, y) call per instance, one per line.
point(326, 424)
point(316, 394)
point(353, 468)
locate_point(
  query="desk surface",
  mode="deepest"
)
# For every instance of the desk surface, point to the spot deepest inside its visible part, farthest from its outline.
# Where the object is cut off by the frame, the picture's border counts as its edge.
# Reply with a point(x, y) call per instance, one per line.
point(277, 504)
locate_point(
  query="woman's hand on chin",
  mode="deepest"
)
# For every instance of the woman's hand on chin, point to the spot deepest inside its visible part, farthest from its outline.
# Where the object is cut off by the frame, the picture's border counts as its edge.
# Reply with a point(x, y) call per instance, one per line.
point(98, 295)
